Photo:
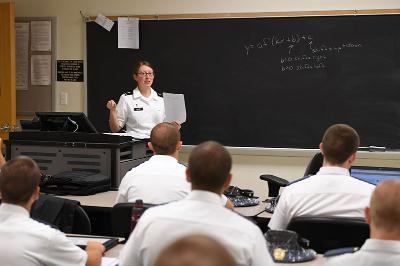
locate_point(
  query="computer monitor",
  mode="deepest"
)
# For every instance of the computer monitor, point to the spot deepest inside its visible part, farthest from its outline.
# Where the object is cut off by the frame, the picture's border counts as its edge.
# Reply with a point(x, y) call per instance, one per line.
point(65, 121)
point(374, 175)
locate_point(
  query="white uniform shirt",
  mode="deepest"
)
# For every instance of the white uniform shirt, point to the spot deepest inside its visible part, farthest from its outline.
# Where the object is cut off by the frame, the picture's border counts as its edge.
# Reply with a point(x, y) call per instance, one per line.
point(331, 192)
point(24, 241)
point(159, 180)
point(199, 213)
point(373, 252)
point(140, 114)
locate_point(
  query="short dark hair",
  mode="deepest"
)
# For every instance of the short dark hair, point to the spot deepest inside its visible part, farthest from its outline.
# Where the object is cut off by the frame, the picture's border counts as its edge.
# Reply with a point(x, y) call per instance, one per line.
point(195, 250)
point(19, 178)
point(339, 142)
point(384, 210)
point(141, 63)
point(209, 166)
point(164, 137)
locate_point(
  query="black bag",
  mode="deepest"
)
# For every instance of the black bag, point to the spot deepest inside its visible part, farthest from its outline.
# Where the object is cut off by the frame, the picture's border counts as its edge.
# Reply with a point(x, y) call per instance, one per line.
point(284, 247)
point(75, 183)
point(241, 197)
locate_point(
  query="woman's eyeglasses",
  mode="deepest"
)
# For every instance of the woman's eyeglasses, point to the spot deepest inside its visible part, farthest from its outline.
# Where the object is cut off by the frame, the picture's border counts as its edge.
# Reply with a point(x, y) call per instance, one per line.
point(147, 74)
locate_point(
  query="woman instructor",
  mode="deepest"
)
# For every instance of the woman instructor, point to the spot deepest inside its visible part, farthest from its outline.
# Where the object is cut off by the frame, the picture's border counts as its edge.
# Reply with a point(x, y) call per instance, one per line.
point(140, 110)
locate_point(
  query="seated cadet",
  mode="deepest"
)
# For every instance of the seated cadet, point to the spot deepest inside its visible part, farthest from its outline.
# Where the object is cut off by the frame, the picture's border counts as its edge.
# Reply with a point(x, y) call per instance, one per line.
point(332, 191)
point(162, 178)
point(24, 241)
point(2, 160)
point(195, 250)
point(383, 217)
point(199, 213)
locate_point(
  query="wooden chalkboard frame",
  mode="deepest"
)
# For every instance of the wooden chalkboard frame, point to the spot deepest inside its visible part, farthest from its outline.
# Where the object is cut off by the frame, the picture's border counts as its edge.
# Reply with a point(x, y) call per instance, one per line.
point(264, 15)
point(354, 12)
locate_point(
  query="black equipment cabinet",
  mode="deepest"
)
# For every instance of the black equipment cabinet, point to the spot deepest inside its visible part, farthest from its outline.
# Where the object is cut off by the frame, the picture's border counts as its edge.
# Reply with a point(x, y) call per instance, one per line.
point(55, 152)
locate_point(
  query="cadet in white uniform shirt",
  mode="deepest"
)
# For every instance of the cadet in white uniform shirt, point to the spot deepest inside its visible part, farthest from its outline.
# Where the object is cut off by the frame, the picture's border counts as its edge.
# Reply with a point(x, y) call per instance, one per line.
point(141, 110)
point(24, 241)
point(199, 213)
point(162, 178)
point(383, 217)
point(332, 191)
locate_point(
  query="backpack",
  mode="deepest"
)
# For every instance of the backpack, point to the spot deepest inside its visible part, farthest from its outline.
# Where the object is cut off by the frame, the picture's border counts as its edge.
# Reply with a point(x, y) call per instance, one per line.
point(80, 183)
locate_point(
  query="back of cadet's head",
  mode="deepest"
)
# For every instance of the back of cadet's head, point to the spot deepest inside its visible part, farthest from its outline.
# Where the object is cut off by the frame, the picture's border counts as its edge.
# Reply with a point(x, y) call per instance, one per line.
point(209, 166)
point(19, 178)
point(385, 206)
point(195, 250)
point(339, 142)
point(164, 138)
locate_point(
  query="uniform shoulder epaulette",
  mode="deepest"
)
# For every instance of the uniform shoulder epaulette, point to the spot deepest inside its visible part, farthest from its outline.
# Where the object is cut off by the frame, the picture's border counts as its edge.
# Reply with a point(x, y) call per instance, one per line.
point(340, 251)
point(127, 93)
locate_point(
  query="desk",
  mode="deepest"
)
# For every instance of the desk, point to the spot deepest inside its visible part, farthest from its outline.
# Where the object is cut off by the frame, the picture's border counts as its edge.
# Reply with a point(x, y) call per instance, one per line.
point(99, 200)
point(107, 200)
point(99, 206)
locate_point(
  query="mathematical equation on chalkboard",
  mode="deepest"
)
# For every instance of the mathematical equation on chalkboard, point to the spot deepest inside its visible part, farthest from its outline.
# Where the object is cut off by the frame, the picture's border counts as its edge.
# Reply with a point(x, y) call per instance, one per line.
point(310, 56)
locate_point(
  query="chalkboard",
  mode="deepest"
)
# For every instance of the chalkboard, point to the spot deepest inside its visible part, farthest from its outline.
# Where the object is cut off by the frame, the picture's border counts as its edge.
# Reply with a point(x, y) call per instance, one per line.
point(262, 82)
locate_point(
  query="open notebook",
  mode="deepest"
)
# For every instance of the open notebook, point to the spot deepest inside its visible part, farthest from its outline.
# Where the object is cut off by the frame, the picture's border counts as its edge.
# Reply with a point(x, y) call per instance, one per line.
point(374, 175)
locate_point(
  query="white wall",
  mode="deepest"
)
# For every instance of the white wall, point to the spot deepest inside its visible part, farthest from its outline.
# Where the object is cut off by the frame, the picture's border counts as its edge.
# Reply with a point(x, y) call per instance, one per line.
point(248, 165)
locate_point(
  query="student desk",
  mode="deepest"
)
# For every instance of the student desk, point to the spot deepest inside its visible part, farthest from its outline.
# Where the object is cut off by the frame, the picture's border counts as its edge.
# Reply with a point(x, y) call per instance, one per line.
point(107, 200)
point(99, 207)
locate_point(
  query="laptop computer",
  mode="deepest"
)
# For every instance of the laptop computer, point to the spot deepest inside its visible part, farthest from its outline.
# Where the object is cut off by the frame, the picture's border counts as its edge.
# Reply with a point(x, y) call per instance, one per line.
point(373, 174)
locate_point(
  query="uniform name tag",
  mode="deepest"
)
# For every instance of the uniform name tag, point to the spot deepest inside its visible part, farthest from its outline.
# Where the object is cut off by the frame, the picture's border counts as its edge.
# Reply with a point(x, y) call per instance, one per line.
point(138, 109)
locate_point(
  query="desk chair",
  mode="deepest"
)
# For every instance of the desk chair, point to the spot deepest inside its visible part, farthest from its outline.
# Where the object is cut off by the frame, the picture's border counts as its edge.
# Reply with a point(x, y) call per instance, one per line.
point(325, 233)
point(121, 213)
point(275, 183)
point(82, 224)
point(66, 215)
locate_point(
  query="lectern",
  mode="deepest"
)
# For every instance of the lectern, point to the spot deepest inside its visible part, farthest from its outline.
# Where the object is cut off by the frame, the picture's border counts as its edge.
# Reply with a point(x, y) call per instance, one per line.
point(55, 152)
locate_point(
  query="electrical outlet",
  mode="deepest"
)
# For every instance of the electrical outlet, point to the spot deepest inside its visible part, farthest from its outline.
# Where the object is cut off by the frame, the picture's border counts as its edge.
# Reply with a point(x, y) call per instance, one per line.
point(64, 98)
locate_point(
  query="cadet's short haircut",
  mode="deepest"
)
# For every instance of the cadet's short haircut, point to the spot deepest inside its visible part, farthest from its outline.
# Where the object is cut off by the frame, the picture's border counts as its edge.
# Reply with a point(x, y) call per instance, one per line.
point(195, 250)
point(385, 208)
point(19, 178)
point(164, 137)
point(209, 166)
point(339, 142)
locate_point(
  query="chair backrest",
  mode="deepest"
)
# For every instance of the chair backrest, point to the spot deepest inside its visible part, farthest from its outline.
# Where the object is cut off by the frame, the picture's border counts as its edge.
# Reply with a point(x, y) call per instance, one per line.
point(275, 183)
point(82, 224)
point(121, 213)
point(66, 215)
point(326, 233)
point(314, 165)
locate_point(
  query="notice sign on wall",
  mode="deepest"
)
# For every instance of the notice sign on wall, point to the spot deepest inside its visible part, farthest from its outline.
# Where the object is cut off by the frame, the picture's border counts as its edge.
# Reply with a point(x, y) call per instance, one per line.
point(70, 70)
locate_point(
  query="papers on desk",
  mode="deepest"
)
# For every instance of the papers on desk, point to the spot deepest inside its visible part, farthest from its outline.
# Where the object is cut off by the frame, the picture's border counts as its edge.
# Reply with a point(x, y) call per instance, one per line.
point(106, 261)
point(175, 109)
